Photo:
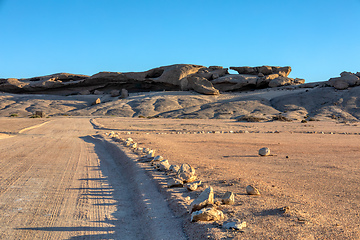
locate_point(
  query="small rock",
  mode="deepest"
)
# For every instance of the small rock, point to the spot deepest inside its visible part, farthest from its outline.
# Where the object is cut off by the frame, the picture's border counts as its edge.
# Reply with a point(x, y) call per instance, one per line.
point(115, 93)
point(158, 158)
point(252, 190)
point(124, 93)
point(207, 214)
point(204, 199)
point(174, 182)
point(97, 92)
point(84, 92)
point(228, 198)
point(285, 209)
point(235, 225)
point(264, 151)
point(186, 173)
point(174, 168)
point(97, 101)
point(40, 114)
point(164, 165)
point(193, 186)
point(150, 154)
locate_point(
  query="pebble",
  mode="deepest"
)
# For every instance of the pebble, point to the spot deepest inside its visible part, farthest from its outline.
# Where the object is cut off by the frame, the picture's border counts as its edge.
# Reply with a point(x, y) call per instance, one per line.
point(264, 151)
point(235, 225)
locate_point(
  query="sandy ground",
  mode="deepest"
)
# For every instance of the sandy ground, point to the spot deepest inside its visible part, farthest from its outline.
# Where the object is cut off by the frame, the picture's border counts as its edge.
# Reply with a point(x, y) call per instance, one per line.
point(61, 181)
point(314, 172)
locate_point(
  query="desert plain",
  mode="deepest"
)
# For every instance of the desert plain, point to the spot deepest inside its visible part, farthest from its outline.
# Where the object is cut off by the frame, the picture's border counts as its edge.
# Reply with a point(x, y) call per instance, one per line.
point(59, 182)
point(64, 177)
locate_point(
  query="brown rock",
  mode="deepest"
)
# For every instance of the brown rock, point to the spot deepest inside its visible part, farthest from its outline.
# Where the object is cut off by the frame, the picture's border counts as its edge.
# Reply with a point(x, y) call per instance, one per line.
point(280, 81)
point(265, 70)
point(282, 71)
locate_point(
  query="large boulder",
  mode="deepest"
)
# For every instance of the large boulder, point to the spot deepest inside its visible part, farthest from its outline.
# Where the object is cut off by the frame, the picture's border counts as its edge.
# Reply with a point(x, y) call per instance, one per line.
point(281, 81)
point(233, 82)
point(265, 70)
point(202, 85)
point(346, 79)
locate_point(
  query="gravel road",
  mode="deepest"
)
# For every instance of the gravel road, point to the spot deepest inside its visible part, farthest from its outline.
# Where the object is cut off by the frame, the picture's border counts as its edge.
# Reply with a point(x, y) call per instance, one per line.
point(61, 181)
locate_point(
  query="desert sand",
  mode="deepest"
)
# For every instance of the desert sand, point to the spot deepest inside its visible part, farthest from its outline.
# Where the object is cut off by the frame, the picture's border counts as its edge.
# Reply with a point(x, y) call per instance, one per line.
point(66, 180)
point(62, 182)
point(314, 172)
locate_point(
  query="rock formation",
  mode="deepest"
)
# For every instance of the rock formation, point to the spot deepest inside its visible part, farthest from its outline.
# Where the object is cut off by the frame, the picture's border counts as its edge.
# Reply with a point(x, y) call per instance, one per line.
point(205, 80)
point(346, 80)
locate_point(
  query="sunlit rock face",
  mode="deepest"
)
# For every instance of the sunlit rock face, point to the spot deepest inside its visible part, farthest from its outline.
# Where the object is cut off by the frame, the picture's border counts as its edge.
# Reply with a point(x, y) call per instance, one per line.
point(205, 80)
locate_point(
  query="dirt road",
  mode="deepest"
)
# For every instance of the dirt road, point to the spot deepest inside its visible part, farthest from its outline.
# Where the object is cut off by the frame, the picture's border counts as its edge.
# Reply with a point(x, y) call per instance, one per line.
point(58, 181)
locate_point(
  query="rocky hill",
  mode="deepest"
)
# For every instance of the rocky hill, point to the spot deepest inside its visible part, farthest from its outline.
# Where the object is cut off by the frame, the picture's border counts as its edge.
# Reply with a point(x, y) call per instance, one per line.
point(186, 91)
point(206, 80)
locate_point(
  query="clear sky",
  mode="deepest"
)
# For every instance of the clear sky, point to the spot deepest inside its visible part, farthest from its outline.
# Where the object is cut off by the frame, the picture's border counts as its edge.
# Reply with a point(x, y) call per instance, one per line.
point(319, 39)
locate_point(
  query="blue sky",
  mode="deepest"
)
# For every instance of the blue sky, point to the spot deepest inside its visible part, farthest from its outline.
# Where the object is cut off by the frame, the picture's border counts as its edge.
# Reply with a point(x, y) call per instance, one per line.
point(318, 39)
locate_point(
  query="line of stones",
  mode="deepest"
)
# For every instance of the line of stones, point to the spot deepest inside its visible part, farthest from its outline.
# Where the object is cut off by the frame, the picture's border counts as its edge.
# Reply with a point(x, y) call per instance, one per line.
point(203, 208)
